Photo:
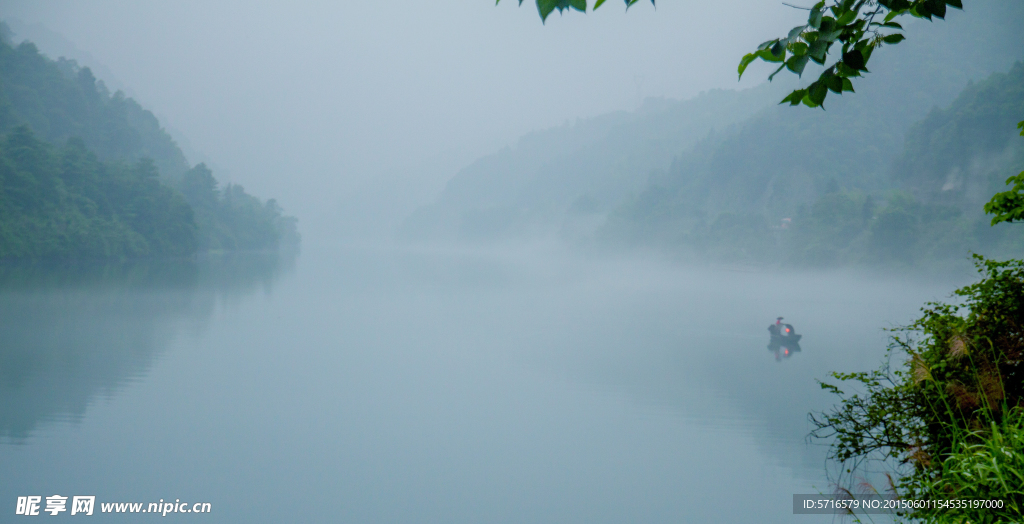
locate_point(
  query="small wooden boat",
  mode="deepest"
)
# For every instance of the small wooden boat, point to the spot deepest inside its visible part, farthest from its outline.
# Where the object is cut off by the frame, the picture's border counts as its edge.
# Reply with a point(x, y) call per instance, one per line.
point(784, 333)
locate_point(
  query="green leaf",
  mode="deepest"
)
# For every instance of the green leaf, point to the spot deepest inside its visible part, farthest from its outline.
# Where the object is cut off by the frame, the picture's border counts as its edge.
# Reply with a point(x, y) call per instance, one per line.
point(866, 52)
point(797, 64)
point(955, 3)
point(936, 7)
point(798, 48)
point(835, 83)
point(629, 3)
point(830, 36)
point(854, 59)
point(817, 93)
point(768, 56)
point(894, 38)
point(795, 97)
point(848, 85)
point(745, 61)
point(846, 18)
point(815, 19)
point(846, 71)
point(779, 50)
point(598, 3)
point(545, 7)
point(771, 76)
point(892, 14)
point(896, 5)
point(818, 50)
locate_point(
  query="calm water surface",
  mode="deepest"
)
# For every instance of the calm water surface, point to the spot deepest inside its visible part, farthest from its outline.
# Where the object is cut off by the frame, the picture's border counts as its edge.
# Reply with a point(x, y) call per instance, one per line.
point(428, 386)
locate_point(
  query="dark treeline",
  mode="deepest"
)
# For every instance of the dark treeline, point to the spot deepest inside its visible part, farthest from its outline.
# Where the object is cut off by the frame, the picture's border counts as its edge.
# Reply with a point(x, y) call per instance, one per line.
point(64, 203)
point(232, 219)
point(89, 175)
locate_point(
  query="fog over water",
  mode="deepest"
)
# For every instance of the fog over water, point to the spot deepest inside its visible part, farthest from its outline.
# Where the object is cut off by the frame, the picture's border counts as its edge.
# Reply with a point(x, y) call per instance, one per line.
point(367, 379)
point(437, 386)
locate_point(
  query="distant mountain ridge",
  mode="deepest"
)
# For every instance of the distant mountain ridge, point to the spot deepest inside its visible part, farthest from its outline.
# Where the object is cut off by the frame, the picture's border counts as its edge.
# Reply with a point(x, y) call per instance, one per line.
point(584, 167)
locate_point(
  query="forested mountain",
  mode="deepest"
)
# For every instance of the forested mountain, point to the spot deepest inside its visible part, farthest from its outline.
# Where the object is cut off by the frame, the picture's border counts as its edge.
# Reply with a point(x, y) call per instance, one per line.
point(64, 203)
point(232, 219)
point(743, 198)
point(59, 100)
point(833, 174)
point(962, 154)
point(87, 174)
point(575, 171)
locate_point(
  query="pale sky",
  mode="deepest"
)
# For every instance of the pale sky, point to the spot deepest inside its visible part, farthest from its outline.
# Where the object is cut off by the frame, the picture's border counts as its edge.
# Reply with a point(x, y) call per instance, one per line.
point(308, 101)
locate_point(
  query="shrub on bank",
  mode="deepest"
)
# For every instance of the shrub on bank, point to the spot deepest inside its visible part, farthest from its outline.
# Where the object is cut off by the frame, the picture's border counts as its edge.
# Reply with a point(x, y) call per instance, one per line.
point(949, 419)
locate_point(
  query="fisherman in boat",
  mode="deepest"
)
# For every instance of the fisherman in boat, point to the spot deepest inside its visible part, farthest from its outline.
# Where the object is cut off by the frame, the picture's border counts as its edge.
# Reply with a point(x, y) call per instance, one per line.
point(783, 332)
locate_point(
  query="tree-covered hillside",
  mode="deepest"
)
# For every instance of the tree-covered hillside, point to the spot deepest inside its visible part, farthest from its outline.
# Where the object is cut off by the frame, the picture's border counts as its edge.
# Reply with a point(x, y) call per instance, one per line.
point(85, 174)
point(231, 219)
point(925, 205)
point(568, 174)
point(60, 100)
point(762, 163)
point(65, 204)
point(962, 154)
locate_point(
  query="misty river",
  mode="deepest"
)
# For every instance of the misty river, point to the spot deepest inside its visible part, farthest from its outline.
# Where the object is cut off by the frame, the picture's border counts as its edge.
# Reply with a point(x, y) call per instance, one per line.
point(403, 385)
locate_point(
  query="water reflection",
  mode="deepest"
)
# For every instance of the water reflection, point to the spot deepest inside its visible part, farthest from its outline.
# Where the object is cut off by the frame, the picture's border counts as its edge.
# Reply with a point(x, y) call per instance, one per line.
point(70, 333)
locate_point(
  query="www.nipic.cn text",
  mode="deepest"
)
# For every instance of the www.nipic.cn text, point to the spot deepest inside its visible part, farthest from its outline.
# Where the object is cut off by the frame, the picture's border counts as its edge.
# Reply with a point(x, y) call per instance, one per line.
point(85, 505)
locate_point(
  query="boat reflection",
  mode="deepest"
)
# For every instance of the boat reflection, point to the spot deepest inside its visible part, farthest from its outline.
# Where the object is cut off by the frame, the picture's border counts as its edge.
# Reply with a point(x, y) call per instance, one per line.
point(784, 340)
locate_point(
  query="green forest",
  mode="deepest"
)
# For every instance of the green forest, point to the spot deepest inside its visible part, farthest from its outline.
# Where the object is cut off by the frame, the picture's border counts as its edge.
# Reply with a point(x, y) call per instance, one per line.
point(732, 201)
point(894, 175)
point(86, 174)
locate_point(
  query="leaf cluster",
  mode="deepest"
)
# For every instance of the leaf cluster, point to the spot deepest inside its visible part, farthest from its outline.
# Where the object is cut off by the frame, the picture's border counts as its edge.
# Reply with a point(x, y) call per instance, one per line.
point(546, 7)
point(1008, 206)
point(857, 26)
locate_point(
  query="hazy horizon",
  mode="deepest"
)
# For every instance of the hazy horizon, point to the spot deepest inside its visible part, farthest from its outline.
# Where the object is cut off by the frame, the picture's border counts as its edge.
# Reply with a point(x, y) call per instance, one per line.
point(239, 86)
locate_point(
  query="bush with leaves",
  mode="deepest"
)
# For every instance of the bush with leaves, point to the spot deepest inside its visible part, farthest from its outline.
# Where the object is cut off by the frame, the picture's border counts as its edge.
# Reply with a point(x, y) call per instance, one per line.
point(954, 405)
point(1008, 206)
